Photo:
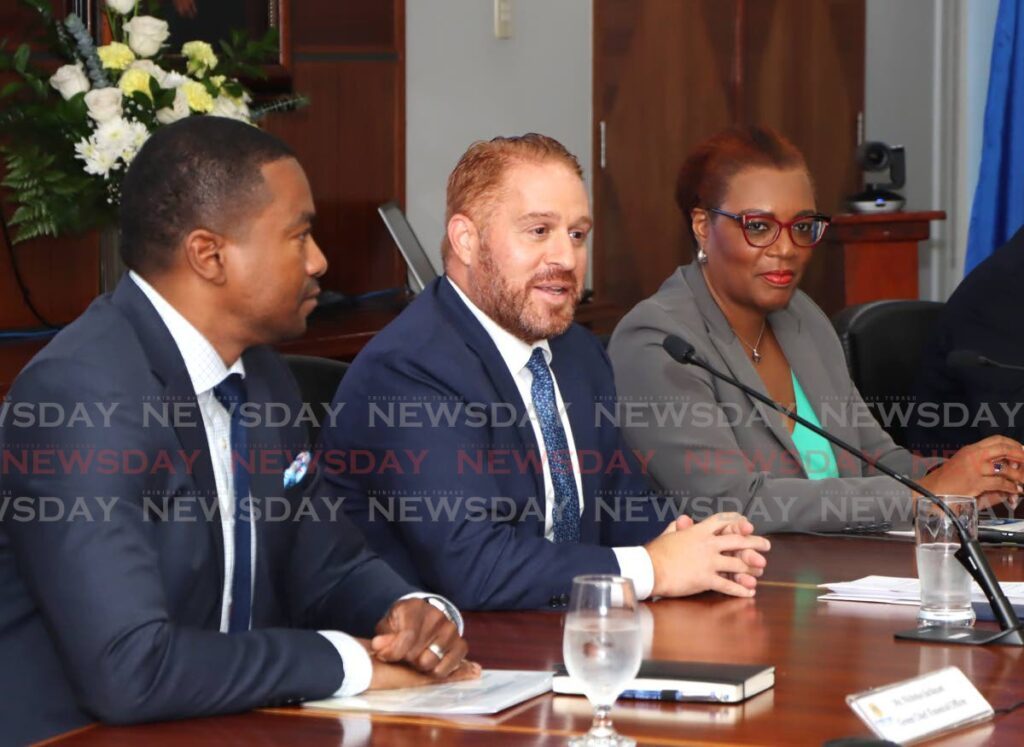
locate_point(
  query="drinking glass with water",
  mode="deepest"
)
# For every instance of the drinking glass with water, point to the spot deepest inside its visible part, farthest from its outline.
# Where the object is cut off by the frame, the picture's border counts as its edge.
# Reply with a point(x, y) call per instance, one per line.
point(602, 649)
point(945, 583)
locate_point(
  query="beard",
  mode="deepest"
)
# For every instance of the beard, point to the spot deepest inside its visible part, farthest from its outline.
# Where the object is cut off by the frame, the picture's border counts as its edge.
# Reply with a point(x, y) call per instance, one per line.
point(515, 310)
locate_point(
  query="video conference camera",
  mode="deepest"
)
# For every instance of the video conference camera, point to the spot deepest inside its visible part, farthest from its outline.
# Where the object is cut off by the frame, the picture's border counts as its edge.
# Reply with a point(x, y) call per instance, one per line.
point(877, 197)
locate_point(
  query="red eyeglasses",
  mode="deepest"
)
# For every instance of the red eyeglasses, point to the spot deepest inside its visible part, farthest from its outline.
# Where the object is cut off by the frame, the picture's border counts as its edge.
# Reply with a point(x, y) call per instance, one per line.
point(761, 230)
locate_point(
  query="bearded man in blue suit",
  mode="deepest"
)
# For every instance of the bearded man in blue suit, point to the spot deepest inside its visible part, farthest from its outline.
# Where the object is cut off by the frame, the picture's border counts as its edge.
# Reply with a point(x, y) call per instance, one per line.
point(494, 470)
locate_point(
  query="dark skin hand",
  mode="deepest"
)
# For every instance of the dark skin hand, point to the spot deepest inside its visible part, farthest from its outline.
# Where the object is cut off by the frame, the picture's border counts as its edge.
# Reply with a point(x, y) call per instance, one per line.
point(407, 631)
point(392, 676)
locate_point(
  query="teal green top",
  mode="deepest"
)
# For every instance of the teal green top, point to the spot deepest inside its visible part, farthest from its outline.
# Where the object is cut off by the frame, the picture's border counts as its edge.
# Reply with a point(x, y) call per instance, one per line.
point(815, 451)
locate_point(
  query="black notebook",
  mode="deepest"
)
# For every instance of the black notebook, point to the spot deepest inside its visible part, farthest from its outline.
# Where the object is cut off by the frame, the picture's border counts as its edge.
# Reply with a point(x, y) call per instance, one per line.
point(681, 681)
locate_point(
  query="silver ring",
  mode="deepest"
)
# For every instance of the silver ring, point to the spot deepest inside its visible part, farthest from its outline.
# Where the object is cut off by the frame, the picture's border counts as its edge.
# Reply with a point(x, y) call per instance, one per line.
point(997, 467)
point(436, 650)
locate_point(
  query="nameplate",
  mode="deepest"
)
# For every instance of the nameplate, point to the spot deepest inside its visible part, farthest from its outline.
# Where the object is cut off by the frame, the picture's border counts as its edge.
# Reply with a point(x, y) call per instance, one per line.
point(921, 707)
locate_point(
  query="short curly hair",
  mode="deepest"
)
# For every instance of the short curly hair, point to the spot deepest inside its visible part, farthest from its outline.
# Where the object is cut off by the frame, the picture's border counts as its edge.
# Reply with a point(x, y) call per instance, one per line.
point(199, 172)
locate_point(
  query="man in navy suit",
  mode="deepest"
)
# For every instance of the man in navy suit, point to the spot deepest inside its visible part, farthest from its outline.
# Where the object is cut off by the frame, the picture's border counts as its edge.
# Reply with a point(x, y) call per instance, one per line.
point(980, 316)
point(476, 445)
point(163, 551)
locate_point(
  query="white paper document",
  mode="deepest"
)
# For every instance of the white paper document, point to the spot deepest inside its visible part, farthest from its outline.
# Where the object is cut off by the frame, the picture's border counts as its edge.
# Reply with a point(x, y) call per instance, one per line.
point(496, 690)
point(1003, 525)
point(893, 590)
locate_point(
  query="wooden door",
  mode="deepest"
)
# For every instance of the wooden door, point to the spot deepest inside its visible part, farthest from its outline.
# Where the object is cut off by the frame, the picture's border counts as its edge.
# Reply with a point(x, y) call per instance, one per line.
point(668, 73)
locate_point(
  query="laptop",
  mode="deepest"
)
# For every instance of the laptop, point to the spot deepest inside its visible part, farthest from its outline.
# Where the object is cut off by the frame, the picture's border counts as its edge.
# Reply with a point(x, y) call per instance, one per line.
point(421, 272)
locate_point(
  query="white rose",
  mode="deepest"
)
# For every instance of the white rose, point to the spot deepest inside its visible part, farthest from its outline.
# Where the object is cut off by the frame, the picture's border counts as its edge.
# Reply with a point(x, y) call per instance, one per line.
point(225, 106)
point(69, 80)
point(146, 34)
point(104, 103)
point(156, 72)
point(121, 6)
point(178, 111)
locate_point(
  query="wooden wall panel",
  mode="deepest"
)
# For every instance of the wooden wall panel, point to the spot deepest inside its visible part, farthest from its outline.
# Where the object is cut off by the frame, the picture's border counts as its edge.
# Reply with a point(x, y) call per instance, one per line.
point(662, 82)
point(804, 75)
point(62, 277)
point(352, 164)
point(335, 24)
point(349, 58)
point(668, 73)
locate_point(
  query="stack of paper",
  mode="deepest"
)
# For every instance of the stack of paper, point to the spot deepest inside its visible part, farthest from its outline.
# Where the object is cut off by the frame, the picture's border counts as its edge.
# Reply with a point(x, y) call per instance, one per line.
point(496, 690)
point(1003, 525)
point(893, 590)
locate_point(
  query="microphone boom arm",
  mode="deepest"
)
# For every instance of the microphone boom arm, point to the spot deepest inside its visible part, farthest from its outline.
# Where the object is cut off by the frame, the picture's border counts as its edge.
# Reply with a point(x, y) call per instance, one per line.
point(970, 554)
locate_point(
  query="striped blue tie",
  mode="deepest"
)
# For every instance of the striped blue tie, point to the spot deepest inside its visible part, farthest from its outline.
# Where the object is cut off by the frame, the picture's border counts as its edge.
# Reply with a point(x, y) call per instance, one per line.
point(231, 394)
point(566, 511)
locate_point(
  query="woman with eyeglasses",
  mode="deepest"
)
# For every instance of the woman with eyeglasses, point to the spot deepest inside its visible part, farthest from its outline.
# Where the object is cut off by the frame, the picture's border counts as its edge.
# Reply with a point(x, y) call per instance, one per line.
point(748, 199)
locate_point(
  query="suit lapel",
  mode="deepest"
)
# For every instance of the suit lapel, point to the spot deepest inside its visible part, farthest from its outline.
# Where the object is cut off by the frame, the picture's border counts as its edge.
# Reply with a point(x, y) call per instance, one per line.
point(168, 366)
point(494, 366)
point(735, 357)
point(263, 483)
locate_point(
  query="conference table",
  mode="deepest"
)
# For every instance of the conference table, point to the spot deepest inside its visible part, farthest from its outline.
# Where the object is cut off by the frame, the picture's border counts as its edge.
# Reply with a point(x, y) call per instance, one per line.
point(822, 652)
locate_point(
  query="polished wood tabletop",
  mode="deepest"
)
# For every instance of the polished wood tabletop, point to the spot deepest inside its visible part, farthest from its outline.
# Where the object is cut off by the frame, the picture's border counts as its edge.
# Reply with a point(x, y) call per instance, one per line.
point(822, 652)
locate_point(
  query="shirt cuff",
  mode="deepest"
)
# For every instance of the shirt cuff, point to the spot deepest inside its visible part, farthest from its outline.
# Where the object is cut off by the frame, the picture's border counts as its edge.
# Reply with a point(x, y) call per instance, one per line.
point(451, 611)
point(355, 659)
point(635, 564)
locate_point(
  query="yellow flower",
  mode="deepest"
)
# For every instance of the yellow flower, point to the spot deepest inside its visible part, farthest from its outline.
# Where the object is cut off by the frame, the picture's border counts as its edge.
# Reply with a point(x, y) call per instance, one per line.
point(218, 81)
point(200, 56)
point(135, 80)
point(199, 99)
point(116, 56)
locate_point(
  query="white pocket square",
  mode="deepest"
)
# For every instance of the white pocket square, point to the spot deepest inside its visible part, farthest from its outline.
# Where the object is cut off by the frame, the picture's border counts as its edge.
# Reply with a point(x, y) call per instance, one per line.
point(296, 470)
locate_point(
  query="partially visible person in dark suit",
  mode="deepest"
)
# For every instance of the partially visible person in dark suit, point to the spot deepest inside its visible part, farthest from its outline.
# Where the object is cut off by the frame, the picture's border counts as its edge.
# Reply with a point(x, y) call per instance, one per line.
point(488, 472)
point(984, 316)
point(163, 551)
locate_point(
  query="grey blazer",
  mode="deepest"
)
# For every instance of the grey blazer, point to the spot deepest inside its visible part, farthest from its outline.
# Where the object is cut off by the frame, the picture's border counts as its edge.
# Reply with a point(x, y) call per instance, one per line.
point(713, 448)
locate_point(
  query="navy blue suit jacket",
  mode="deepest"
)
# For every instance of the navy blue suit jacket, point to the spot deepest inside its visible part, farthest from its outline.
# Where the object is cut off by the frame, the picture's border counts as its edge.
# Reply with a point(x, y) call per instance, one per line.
point(982, 315)
point(113, 611)
point(440, 468)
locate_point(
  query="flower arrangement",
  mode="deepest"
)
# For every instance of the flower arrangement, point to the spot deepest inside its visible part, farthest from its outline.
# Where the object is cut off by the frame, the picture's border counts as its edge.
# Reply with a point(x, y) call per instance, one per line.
point(69, 137)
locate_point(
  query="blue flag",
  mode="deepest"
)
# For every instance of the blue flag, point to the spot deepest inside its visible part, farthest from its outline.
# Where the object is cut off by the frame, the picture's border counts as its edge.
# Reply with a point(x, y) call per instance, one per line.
point(998, 209)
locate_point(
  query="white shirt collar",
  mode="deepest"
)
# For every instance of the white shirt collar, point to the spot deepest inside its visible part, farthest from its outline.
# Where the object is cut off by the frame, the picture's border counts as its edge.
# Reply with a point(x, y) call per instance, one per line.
point(515, 352)
point(205, 367)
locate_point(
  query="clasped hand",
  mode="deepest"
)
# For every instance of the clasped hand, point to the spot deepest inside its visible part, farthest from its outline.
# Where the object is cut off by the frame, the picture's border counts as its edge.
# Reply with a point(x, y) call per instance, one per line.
point(402, 652)
point(720, 554)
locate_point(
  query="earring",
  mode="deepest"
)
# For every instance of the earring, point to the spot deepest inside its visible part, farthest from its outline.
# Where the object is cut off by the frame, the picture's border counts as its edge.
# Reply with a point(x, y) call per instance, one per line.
point(702, 256)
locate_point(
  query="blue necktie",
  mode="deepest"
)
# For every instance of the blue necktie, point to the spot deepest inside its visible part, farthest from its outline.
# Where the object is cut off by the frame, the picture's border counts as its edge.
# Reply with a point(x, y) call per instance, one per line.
point(231, 394)
point(566, 511)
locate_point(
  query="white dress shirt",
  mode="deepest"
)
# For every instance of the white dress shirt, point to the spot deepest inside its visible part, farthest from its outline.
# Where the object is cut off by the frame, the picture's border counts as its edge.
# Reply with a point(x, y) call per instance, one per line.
point(206, 369)
point(634, 562)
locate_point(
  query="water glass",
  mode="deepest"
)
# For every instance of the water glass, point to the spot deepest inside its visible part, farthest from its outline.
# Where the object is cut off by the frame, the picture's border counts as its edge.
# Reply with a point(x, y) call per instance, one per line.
point(945, 583)
point(602, 649)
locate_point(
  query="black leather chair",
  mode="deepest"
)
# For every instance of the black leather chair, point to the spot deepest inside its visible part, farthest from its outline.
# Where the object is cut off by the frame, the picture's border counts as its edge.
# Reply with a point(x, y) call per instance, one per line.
point(318, 381)
point(883, 342)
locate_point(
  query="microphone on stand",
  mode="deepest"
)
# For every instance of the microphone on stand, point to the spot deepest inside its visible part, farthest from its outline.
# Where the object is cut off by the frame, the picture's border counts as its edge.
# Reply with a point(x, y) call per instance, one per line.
point(974, 359)
point(970, 554)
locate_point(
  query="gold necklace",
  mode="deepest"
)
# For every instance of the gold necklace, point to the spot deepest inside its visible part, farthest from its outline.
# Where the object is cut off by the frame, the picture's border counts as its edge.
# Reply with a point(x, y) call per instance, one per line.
point(754, 348)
